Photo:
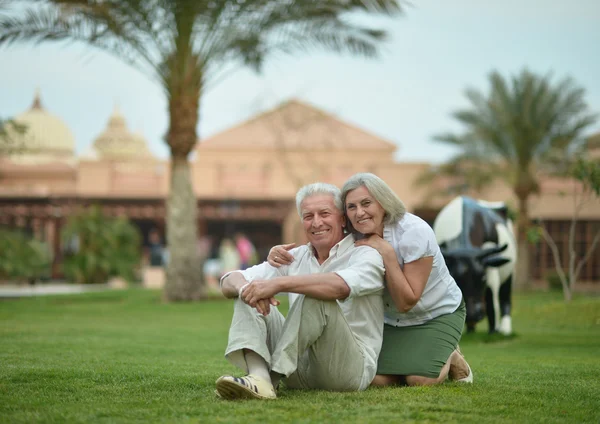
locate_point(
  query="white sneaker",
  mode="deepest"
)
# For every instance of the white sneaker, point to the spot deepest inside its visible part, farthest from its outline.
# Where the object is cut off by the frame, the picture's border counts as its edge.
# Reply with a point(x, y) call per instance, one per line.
point(248, 387)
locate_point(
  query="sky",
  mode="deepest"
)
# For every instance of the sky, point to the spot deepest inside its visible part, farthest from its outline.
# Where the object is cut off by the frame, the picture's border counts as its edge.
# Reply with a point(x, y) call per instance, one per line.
point(435, 51)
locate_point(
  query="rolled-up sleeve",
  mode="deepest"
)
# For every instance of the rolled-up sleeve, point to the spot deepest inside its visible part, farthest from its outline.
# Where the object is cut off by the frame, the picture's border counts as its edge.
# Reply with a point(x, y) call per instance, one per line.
point(365, 272)
point(262, 271)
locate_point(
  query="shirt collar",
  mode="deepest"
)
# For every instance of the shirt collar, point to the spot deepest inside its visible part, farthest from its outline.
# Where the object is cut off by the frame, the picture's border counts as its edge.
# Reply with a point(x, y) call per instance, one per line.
point(339, 248)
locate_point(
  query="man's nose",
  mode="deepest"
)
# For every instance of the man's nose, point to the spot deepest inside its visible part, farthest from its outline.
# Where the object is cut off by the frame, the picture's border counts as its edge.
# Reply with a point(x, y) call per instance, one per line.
point(317, 221)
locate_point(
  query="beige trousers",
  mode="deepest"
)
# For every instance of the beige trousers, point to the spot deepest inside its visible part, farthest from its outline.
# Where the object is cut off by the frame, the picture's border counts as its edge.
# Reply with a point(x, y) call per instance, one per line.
point(313, 347)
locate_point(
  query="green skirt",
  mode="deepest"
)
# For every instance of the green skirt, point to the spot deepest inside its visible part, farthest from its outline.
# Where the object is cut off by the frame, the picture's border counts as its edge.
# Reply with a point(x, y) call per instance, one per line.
point(421, 349)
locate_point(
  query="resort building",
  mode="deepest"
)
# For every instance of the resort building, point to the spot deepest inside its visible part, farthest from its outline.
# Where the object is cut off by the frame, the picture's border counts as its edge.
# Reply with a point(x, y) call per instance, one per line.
point(245, 179)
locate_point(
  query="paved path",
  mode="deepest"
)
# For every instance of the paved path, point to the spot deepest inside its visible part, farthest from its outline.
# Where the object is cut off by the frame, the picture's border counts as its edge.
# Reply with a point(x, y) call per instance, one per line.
point(14, 290)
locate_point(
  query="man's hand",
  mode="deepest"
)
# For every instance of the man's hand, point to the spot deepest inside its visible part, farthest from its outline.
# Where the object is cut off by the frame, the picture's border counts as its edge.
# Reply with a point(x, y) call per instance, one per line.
point(260, 294)
point(263, 306)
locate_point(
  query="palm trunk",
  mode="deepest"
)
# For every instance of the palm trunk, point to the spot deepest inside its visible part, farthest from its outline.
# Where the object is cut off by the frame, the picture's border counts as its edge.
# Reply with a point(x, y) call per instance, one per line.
point(523, 274)
point(184, 281)
point(184, 278)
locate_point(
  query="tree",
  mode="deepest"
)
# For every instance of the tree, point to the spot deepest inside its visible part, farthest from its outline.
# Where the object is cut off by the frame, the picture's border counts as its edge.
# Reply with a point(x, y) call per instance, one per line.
point(99, 247)
point(11, 141)
point(187, 46)
point(511, 133)
point(585, 175)
point(23, 258)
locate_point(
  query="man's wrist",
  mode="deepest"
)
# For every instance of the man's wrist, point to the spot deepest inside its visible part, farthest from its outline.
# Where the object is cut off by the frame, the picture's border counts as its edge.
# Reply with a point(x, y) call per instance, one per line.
point(242, 288)
point(279, 283)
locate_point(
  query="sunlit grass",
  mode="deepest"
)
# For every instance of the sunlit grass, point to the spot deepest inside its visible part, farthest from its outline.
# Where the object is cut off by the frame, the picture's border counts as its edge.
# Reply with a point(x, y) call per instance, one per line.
point(127, 357)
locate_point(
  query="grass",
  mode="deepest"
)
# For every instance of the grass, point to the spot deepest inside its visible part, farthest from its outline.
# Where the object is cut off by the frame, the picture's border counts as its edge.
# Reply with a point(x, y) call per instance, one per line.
point(124, 356)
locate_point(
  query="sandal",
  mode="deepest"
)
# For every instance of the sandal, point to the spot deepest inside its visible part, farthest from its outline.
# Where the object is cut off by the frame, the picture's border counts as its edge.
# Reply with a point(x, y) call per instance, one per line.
point(248, 387)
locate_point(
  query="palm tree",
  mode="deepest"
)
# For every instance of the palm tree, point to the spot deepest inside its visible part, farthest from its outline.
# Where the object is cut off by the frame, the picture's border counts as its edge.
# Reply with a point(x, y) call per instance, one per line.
point(188, 46)
point(513, 134)
point(10, 137)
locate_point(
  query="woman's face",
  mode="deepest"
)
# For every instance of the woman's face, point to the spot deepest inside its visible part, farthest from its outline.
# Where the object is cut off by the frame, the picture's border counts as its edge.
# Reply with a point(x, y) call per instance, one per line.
point(364, 212)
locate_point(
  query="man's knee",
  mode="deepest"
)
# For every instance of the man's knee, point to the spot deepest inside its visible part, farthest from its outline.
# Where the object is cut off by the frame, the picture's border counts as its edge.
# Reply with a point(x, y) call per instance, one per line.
point(312, 304)
point(241, 307)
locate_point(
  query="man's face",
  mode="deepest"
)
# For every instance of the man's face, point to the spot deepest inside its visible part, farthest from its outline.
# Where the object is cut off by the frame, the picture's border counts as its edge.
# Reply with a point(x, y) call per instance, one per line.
point(323, 222)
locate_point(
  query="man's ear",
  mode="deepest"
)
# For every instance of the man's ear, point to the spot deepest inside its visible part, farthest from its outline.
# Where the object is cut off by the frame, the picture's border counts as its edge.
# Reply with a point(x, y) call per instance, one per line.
point(344, 221)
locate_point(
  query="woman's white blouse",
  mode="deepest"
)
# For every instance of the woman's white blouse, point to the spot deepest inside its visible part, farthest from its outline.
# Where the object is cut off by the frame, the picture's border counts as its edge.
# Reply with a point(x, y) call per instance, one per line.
point(412, 239)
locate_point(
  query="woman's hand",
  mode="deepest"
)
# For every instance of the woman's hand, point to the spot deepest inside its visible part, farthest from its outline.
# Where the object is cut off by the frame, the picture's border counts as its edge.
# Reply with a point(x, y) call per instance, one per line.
point(377, 243)
point(279, 255)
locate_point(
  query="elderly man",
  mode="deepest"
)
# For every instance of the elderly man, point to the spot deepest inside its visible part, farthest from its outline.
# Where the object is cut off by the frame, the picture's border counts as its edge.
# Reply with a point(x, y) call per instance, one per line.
point(332, 334)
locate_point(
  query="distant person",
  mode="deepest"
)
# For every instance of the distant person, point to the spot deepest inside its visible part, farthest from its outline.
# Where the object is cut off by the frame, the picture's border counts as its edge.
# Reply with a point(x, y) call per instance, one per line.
point(245, 249)
point(204, 246)
point(229, 257)
point(157, 250)
point(211, 267)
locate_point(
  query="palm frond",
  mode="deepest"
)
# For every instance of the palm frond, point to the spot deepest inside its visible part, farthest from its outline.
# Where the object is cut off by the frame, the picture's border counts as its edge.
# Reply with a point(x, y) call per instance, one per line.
point(117, 27)
point(251, 31)
point(209, 34)
point(462, 170)
point(522, 120)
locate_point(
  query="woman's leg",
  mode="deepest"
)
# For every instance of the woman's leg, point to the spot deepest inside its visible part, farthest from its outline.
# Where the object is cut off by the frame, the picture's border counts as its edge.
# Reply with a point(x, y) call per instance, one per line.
point(424, 348)
point(382, 380)
point(418, 380)
point(456, 367)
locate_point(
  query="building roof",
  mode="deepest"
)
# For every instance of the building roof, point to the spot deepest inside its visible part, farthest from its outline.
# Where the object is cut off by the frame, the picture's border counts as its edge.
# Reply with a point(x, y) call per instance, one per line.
point(296, 125)
point(44, 132)
point(34, 169)
point(117, 142)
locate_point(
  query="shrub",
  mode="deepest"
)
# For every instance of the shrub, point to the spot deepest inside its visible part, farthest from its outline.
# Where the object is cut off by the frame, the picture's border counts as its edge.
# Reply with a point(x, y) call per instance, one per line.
point(23, 258)
point(100, 247)
point(554, 283)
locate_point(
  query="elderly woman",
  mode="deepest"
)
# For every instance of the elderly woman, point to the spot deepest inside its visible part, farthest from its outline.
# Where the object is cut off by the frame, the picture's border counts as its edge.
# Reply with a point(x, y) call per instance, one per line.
point(424, 310)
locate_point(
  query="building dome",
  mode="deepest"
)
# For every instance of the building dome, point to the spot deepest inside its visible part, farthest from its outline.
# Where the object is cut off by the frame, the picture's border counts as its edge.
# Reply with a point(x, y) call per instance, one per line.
point(44, 133)
point(116, 142)
point(90, 154)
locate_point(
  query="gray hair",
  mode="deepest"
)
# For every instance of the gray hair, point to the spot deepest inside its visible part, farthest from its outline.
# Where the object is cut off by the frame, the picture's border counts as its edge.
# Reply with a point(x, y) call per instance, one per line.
point(392, 205)
point(319, 188)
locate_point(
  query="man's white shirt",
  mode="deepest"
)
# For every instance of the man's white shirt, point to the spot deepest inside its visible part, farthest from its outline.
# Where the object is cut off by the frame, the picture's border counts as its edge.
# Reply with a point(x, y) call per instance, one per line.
point(362, 270)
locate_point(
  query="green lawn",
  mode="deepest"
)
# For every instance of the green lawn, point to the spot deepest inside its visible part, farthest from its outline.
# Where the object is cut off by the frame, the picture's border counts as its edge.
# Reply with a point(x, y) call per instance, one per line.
point(126, 357)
